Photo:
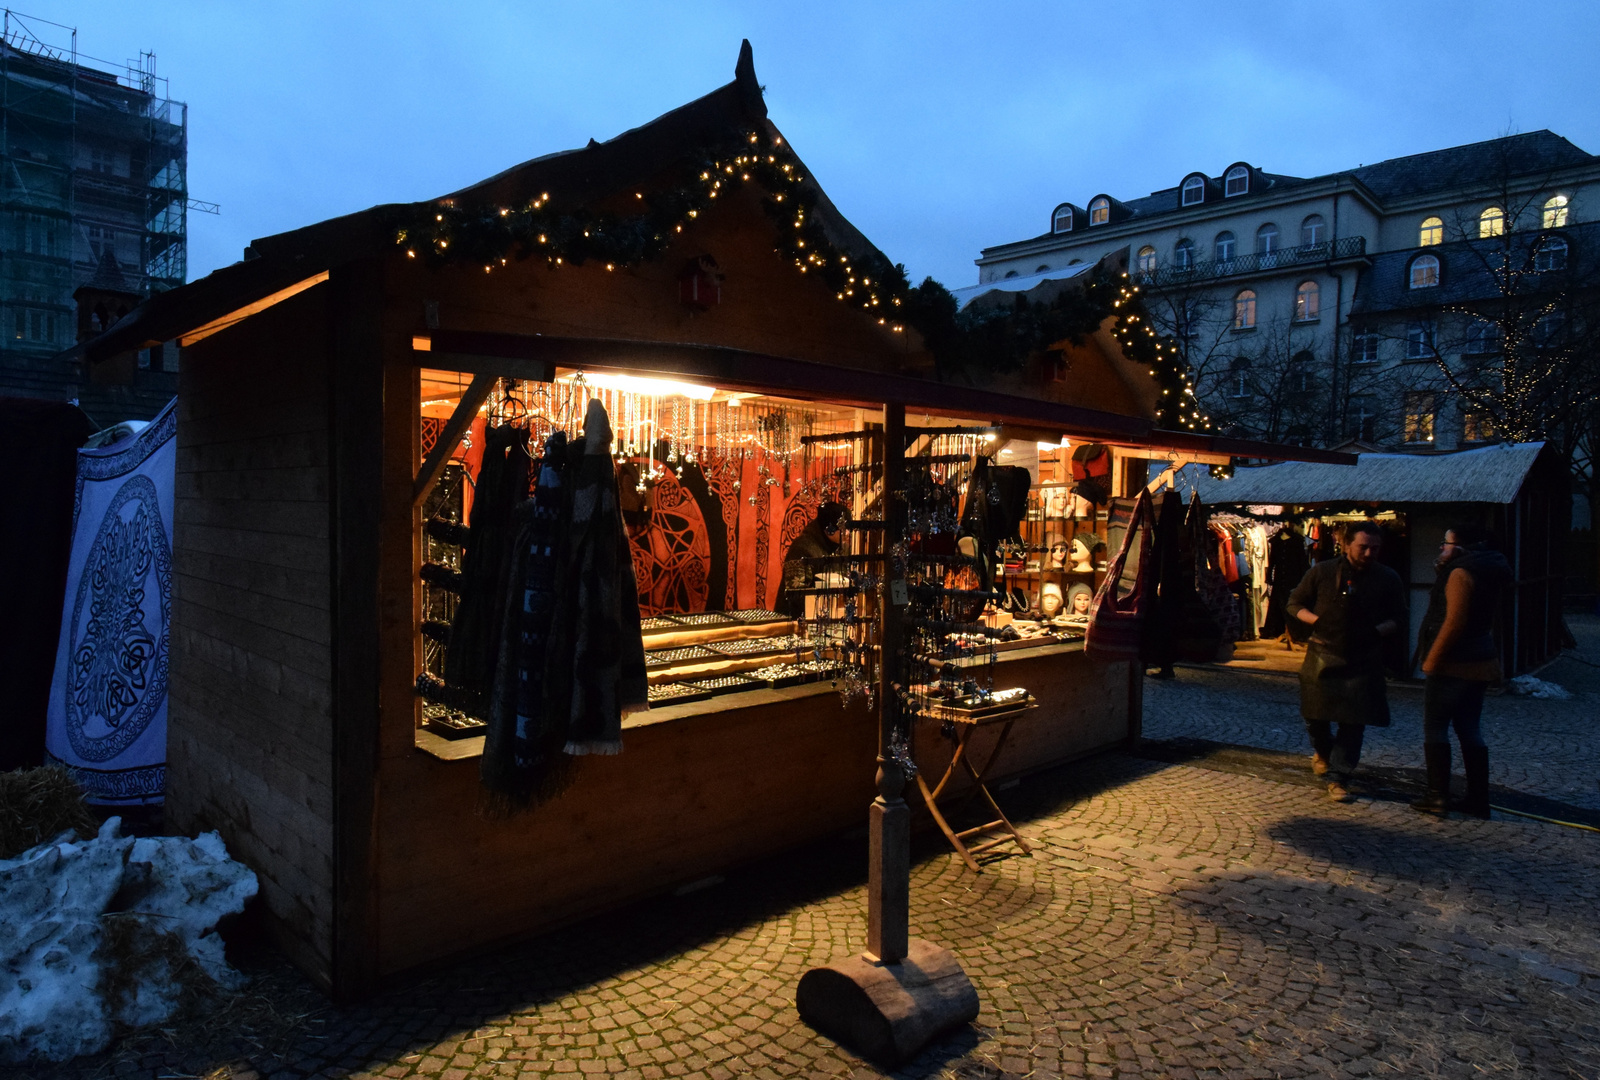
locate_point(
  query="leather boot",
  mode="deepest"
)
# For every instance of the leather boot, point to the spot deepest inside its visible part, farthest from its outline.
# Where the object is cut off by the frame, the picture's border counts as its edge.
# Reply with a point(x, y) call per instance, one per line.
point(1475, 760)
point(1437, 759)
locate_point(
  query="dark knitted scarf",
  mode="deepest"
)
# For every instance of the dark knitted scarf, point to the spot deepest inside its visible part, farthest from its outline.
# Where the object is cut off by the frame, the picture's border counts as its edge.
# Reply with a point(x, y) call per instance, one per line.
point(594, 666)
point(485, 568)
point(523, 760)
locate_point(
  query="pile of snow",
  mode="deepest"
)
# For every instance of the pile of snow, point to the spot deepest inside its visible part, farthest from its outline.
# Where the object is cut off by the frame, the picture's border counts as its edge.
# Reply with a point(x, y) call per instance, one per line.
point(108, 932)
point(1528, 686)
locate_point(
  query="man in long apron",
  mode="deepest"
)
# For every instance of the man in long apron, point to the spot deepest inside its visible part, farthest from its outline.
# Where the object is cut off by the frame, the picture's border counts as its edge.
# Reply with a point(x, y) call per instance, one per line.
point(1351, 604)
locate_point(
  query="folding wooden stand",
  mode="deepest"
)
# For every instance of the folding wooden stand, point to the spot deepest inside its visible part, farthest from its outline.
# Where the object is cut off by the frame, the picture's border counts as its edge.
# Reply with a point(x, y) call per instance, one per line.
point(966, 726)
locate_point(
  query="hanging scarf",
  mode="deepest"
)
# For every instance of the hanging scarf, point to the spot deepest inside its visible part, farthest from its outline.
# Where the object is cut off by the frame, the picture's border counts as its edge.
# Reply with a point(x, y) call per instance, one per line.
point(523, 760)
point(485, 568)
point(594, 666)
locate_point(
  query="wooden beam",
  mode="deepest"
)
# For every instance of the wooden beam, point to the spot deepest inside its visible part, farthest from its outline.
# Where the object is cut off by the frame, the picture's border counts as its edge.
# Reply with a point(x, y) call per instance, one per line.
point(239, 314)
point(471, 401)
point(739, 369)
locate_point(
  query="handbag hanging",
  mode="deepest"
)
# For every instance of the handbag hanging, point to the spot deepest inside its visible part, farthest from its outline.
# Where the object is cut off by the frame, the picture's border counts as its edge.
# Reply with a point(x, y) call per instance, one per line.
point(1115, 616)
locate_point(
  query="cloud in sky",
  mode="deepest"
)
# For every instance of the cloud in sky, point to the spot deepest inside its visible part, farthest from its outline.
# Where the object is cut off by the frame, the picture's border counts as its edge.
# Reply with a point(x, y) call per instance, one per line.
point(938, 128)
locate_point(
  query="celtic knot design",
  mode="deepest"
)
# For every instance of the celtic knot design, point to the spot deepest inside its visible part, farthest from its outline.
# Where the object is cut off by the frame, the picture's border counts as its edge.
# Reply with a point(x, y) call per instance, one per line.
point(118, 669)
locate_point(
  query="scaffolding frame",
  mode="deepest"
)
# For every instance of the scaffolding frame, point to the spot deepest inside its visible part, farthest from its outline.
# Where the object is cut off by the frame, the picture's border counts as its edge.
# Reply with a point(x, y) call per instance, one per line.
point(93, 184)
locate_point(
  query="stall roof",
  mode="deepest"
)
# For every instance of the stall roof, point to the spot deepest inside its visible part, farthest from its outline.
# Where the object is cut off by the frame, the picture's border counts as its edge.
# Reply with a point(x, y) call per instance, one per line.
point(278, 266)
point(1491, 474)
point(1019, 284)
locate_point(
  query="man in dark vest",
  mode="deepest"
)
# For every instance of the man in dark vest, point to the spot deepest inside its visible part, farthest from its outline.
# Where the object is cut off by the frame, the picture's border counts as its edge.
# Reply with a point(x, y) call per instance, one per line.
point(1351, 604)
point(1460, 659)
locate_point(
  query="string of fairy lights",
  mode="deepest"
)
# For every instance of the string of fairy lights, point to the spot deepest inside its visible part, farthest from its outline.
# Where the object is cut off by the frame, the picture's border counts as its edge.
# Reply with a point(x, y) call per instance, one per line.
point(492, 236)
point(1142, 343)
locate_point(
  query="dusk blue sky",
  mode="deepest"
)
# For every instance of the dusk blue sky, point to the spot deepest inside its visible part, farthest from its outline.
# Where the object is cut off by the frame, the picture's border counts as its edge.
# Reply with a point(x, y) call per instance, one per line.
point(938, 128)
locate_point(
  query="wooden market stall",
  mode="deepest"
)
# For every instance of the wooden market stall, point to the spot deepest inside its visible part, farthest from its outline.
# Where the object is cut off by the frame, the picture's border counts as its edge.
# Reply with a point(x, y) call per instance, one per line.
point(338, 389)
point(1519, 491)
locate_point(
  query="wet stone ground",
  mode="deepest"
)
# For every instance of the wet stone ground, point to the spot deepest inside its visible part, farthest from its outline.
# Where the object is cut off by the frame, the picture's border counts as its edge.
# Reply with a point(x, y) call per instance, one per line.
point(1191, 910)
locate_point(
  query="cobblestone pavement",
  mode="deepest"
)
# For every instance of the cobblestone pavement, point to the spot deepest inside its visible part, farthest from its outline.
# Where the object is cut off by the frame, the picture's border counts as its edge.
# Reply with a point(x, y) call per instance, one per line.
point(1175, 922)
point(1539, 746)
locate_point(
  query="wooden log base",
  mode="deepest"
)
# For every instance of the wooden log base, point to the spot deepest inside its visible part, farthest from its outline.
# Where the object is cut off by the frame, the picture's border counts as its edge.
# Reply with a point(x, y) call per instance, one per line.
point(888, 1012)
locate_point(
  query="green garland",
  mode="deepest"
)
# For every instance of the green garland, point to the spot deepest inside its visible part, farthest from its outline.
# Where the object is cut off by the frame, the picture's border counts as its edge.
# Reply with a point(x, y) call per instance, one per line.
point(985, 341)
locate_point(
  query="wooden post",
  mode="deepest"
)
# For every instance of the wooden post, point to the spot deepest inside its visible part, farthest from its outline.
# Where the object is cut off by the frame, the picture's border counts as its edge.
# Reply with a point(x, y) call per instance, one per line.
point(904, 992)
point(889, 821)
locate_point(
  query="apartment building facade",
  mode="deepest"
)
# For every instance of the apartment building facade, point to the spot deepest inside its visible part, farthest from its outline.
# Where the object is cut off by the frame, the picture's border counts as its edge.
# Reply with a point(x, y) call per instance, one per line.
point(1319, 310)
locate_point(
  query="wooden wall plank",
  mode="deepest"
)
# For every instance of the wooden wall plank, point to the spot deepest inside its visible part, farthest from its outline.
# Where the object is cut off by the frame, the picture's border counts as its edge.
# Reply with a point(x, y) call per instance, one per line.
point(249, 732)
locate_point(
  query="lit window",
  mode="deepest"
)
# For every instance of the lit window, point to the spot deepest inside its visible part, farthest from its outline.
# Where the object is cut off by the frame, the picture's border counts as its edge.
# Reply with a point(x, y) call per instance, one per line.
point(1555, 212)
point(1492, 222)
point(1267, 239)
point(1307, 302)
point(1419, 406)
point(1237, 182)
point(1183, 254)
point(1424, 271)
point(1419, 341)
point(1552, 253)
point(1147, 258)
point(1239, 377)
point(1431, 233)
point(1477, 426)
point(1100, 211)
point(1313, 230)
point(1364, 349)
point(1194, 191)
point(1244, 310)
point(1062, 221)
point(1225, 245)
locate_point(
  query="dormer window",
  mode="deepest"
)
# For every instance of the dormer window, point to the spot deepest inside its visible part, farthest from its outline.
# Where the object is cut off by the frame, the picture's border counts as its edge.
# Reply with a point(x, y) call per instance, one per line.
point(1237, 182)
point(1424, 271)
point(1194, 191)
point(1100, 211)
point(1061, 221)
point(1431, 233)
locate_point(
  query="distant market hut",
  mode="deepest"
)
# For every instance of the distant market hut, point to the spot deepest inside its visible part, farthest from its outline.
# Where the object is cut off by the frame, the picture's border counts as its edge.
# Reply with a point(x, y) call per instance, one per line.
point(1520, 491)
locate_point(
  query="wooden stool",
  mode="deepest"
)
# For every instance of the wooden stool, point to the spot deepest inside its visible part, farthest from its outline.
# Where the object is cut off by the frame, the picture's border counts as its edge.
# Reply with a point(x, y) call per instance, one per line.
point(966, 725)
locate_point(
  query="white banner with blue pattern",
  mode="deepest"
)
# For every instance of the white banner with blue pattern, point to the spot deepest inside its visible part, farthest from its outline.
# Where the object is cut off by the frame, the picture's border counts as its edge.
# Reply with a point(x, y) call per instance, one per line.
point(108, 701)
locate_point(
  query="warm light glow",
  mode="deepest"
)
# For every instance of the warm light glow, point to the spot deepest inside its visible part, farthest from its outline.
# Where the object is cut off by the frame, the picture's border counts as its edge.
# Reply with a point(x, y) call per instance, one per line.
point(421, 343)
point(640, 385)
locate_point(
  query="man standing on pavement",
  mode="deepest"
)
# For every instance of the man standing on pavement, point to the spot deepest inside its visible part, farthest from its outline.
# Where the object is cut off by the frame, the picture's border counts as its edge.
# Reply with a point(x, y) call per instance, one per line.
point(1460, 659)
point(1351, 604)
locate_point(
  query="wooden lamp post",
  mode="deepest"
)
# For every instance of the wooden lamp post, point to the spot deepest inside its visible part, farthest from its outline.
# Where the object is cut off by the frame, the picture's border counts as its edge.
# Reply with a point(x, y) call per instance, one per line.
point(903, 992)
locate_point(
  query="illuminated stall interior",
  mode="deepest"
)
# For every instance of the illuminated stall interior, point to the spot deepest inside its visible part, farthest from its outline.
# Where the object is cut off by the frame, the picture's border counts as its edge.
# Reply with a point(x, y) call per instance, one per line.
point(716, 488)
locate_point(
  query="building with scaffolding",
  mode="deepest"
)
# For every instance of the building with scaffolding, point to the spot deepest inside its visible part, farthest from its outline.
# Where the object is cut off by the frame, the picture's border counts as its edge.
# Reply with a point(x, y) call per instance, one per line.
point(93, 208)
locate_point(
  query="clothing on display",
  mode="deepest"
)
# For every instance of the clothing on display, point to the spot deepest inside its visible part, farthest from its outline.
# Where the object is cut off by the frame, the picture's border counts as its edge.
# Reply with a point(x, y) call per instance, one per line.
point(107, 715)
point(484, 583)
point(594, 670)
point(522, 752)
point(1287, 563)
